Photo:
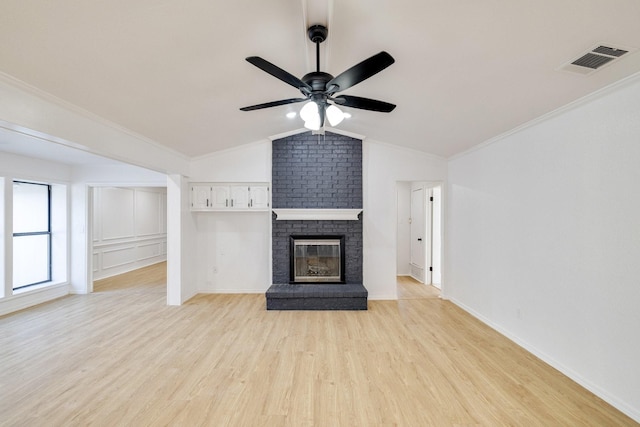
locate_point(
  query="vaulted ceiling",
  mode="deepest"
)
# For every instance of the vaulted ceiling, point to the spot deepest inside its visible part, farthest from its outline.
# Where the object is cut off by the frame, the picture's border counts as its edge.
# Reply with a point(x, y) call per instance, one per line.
point(174, 71)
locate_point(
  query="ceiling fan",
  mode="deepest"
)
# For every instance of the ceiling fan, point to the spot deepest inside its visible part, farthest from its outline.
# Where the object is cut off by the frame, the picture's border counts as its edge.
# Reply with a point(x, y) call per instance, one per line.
point(319, 87)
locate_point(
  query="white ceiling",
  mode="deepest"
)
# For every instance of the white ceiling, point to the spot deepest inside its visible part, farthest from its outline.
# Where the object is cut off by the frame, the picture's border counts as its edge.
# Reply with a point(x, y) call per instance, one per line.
point(174, 71)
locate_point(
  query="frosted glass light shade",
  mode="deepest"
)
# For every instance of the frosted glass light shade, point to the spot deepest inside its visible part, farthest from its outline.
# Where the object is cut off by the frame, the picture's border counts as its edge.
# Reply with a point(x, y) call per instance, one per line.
point(309, 111)
point(334, 115)
point(313, 124)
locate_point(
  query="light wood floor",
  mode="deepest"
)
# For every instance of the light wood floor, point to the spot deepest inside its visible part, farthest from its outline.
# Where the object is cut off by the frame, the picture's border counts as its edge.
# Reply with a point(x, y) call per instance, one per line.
point(121, 357)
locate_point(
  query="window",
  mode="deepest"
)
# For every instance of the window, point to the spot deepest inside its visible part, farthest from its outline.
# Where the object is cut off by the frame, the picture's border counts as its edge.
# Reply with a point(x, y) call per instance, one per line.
point(31, 234)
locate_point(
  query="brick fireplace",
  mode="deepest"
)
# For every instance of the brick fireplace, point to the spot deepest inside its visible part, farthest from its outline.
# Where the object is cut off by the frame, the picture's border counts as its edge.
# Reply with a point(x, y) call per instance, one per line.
point(317, 173)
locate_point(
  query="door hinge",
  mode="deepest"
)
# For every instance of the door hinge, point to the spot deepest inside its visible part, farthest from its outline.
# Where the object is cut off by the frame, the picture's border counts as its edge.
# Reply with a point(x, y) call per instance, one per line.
point(431, 199)
point(430, 268)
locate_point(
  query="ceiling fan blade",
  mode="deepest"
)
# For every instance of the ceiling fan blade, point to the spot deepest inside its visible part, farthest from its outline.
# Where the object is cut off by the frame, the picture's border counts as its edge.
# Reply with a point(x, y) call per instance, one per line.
point(364, 103)
point(361, 71)
point(273, 104)
point(278, 73)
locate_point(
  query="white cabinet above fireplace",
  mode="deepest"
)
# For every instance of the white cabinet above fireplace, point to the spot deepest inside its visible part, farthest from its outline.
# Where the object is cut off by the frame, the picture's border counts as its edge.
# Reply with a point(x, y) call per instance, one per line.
point(209, 196)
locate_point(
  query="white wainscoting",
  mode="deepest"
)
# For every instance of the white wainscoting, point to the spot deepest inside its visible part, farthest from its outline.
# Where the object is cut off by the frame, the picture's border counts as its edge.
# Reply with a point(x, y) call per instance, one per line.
point(129, 229)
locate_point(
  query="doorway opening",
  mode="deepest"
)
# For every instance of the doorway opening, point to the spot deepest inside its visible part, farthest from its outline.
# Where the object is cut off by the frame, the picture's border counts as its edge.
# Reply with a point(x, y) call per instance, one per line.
point(419, 231)
point(128, 231)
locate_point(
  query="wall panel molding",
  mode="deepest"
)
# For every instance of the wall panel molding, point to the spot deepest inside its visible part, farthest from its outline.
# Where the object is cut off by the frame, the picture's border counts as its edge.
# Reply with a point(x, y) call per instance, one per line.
point(130, 229)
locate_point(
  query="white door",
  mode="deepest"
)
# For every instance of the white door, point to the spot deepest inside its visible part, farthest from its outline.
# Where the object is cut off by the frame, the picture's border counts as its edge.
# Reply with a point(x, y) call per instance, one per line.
point(421, 234)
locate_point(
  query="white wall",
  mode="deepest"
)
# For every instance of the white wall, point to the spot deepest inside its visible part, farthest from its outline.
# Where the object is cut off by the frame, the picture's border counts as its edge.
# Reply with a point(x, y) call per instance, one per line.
point(544, 240)
point(233, 253)
point(181, 251)
point(28, 168)
point(6, 230)
point(403, 244)
point(129, 229)
point(119, 174)
point(233, 249)
point(80, 265)
point(383, 166)
point(246, 163)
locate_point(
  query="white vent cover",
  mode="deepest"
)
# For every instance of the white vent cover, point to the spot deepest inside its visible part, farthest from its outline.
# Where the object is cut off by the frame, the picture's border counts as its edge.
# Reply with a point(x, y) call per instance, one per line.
point(597, 57)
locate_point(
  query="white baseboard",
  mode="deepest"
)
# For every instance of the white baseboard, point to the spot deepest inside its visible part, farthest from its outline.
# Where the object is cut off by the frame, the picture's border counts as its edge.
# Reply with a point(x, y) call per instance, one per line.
point(232, 291)
point(28, 299)
point(129, 267)
point(382, 297)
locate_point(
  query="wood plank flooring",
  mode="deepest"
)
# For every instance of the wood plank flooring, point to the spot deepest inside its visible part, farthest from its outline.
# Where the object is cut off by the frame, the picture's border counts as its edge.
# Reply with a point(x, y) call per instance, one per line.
point(121, 357)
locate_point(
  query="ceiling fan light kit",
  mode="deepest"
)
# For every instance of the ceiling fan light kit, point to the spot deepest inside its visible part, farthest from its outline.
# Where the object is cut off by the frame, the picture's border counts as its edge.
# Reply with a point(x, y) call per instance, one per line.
point(334, 115)
point(309, 113)
point(319, 87)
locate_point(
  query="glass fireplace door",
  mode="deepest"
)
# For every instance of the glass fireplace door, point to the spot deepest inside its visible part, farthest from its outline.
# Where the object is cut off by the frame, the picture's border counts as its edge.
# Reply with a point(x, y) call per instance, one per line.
point(317, 260)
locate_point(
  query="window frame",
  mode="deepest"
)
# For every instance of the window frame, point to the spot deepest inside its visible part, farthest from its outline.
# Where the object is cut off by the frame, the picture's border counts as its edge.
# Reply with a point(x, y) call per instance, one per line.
point(40, 233)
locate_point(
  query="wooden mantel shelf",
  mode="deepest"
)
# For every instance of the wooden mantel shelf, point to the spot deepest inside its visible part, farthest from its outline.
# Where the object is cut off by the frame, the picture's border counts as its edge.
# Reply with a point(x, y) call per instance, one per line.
point(317, 214)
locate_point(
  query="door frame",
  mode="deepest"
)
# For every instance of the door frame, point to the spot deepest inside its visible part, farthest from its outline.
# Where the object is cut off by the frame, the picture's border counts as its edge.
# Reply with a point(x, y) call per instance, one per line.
point(407, 186)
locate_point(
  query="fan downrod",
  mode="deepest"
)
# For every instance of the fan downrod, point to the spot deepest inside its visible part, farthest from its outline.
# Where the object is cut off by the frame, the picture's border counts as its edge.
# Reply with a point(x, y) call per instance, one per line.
point(317, 79)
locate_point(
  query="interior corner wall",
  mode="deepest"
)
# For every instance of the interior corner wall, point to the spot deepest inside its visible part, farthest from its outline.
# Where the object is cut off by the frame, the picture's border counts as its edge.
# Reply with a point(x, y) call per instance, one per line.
point(232, 250)
point(384, 165)
point(542, 241)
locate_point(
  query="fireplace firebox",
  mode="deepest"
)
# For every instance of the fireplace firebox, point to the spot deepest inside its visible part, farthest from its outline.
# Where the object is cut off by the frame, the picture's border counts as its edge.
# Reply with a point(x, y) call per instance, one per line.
point(317, 259)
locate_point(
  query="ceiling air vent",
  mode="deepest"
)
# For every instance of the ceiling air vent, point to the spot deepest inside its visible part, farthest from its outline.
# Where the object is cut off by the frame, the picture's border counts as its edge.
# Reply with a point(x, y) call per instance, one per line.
point(595, 58)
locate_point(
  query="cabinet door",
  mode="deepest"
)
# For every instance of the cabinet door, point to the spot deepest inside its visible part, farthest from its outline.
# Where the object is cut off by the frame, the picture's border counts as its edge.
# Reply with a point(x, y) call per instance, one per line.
point(259, 197)
point(200, 197)
point(239, 196)
point(220, 198)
